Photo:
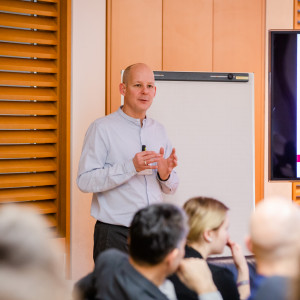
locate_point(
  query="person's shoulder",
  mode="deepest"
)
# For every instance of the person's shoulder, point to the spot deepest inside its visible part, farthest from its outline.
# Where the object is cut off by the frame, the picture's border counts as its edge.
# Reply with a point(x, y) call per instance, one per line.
point(154, 122)
point(106, 119)
point(111, 257)
point(276, 283)
point(191, 252)
point(274, 287)
point(112, 253)
point(104, 122)
point(157, 125)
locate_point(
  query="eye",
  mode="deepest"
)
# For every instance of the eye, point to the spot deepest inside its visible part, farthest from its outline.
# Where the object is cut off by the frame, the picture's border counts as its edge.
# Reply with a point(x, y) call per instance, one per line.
point(150, 86)
point(138, 85)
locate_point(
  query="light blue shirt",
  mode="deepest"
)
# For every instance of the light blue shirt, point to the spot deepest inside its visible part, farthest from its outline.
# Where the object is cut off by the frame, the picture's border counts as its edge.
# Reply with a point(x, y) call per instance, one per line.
point(168, 289)
point(106, 168)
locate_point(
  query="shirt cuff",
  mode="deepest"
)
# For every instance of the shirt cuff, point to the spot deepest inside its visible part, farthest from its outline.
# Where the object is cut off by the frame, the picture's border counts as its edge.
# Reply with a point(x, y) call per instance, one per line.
point(210, 296)
point(162, 179)
point(129, 167)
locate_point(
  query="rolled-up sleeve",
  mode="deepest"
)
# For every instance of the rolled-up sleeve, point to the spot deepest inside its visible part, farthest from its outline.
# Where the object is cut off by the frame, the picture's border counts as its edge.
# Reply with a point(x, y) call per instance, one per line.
point(170, 186)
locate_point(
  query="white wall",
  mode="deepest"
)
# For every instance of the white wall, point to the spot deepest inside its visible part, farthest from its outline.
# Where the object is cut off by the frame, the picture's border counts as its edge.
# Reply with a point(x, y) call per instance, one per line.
point(87, 104)
point(279, 15)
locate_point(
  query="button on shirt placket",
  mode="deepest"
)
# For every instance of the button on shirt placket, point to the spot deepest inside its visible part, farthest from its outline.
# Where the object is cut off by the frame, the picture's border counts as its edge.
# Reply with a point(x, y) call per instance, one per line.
point(144, 142)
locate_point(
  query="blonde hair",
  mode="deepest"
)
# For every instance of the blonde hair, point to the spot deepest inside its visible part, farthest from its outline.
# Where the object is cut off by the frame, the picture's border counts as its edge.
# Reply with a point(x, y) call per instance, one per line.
point(204, 214)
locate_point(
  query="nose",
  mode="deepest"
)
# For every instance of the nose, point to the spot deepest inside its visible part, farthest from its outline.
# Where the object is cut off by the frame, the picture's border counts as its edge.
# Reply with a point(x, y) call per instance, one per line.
point(145, 89)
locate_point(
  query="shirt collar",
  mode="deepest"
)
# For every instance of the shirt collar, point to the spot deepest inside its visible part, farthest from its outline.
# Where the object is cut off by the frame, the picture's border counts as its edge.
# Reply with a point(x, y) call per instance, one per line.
point(130, 119)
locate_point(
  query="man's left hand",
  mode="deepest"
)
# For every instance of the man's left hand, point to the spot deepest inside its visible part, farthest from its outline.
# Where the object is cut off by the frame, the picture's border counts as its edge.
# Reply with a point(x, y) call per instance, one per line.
point(166, 165)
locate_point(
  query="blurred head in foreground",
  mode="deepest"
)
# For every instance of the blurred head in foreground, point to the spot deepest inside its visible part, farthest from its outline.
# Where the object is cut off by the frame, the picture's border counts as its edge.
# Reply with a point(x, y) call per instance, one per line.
point(275, 236)
point(29, 265)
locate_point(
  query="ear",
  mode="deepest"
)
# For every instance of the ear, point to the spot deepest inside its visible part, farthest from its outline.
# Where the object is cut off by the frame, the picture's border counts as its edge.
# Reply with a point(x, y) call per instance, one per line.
point(207, 236)
point(122, 89)
point(249, 244)
point(171, 262)
point(154, 91)
point(172, 256)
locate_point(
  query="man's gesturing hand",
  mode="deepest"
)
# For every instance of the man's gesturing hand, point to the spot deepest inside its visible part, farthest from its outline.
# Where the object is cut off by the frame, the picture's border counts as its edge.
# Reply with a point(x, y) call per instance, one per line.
point(142, 160)
point(166, 165)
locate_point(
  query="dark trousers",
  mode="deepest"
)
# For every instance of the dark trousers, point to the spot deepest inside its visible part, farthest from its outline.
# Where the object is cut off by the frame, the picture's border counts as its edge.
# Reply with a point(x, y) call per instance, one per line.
point(109, 236)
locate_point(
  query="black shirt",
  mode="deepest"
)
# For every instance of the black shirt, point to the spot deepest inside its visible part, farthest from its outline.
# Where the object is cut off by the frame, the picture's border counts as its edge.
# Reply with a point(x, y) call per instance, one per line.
point(222, 277)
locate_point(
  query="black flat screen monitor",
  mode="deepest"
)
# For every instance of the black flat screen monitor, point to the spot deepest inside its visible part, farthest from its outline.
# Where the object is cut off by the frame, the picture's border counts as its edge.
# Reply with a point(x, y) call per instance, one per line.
point(284, 108)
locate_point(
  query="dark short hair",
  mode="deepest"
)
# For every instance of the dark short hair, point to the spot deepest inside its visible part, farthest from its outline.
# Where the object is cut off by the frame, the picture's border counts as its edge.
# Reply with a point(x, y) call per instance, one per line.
point(155, 231)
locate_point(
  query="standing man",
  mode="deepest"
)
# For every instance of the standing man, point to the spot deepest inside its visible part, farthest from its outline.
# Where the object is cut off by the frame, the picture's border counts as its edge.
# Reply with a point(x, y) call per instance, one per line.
point(115, 166)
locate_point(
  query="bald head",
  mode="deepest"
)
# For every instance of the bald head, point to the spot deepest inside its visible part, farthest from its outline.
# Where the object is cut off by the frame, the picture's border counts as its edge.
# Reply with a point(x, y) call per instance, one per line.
point(274, 228)
point(138, 89)
point(135, 68)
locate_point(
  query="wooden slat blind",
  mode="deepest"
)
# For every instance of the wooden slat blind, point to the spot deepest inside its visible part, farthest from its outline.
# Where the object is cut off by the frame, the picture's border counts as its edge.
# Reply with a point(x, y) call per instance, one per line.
point(28, 93)
point(296, 14)
point(29, 107)
point(296, 192)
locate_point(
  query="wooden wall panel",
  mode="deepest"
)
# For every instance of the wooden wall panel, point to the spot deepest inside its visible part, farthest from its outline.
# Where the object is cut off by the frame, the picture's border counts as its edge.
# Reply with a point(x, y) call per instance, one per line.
point(190, 35)
point(238, 35)
point(187, 35)
point(296, 14)
point(296, 192)
point(134, 35)
point(239, 46)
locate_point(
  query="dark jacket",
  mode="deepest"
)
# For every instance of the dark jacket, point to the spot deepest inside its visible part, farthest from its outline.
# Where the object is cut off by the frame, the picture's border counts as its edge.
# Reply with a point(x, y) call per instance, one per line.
point(273, 288)
point(115, 278)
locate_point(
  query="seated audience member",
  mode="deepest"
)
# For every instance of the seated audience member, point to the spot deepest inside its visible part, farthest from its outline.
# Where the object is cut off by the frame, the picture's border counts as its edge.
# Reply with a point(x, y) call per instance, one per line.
point(274, 239)
point(29, 264)
point(157, 237)
point(295, 294)
point(208, 234)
